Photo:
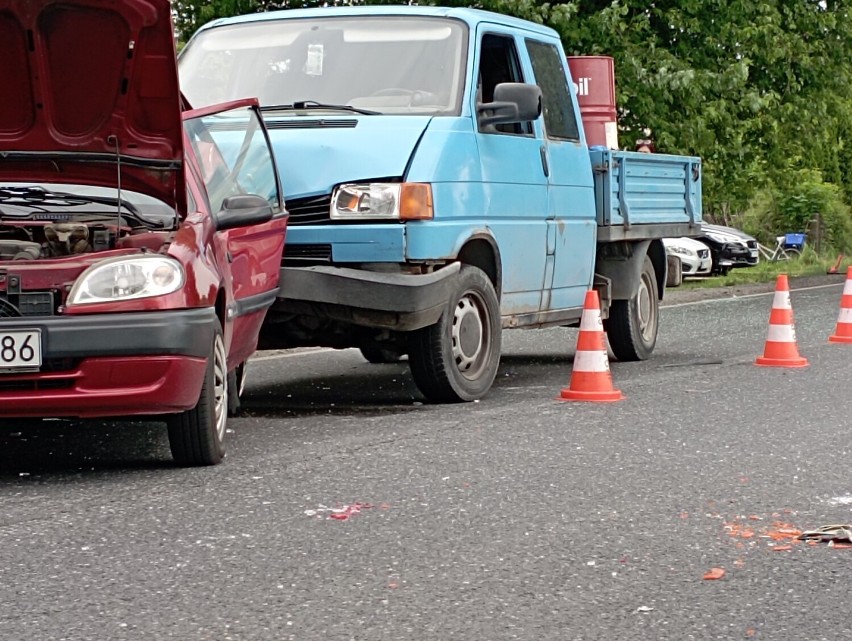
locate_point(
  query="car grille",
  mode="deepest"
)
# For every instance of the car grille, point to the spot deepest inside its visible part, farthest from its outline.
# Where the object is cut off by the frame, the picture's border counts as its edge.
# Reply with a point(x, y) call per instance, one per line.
point(309, 211)
point(27, 304)
point(35, 385)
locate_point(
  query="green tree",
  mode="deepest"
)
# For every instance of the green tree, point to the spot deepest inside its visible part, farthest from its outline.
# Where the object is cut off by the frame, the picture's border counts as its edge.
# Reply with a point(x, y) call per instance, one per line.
point(760, 90)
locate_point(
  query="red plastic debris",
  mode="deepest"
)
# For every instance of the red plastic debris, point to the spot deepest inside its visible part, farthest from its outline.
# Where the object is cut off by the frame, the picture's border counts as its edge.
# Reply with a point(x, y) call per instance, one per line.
point(714, 573)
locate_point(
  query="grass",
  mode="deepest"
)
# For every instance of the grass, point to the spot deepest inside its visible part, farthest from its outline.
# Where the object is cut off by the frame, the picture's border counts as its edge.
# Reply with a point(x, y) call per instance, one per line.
point(809, 264)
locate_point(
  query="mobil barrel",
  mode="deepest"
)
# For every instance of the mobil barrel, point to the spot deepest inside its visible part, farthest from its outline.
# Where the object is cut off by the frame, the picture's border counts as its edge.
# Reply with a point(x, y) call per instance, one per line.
point(594, 82)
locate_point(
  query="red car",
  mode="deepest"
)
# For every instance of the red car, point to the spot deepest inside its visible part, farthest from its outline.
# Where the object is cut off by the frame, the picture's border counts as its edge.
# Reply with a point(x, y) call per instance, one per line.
point(140, 243)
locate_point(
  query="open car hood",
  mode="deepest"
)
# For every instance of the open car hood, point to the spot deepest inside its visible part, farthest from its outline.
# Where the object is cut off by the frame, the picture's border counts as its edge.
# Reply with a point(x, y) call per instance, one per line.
point(90, 95)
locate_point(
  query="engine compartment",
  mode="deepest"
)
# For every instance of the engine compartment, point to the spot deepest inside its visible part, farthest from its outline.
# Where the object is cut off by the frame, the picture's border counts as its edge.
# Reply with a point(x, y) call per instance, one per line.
point(35, 240)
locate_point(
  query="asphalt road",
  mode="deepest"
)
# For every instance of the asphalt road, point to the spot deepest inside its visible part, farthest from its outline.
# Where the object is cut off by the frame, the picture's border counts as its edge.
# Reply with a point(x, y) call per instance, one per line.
point(348, 509)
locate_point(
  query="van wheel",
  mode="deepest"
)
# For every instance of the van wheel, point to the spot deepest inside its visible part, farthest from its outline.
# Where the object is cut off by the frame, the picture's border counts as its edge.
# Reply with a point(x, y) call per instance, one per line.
point(632, 324)
point(196, 436)
point(456, 359)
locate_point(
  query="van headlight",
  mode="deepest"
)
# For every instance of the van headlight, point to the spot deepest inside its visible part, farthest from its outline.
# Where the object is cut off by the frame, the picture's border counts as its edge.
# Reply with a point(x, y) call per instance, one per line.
point(127, 278)
point(399, 201)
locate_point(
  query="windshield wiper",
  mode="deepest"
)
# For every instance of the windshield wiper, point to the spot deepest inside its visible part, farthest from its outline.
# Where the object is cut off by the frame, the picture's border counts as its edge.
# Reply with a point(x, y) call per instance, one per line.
point(313, 104)
point(39, 199)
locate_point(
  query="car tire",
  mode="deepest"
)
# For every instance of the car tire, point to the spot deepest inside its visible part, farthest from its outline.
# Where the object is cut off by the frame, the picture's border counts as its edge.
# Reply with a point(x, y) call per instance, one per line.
point(674, 274)
point(633, 324)
point(456, 359)
point(380, 355)
point(196, 436)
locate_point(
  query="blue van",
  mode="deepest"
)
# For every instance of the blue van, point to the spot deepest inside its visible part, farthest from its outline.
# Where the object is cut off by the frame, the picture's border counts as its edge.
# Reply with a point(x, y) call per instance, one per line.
point(440, 187)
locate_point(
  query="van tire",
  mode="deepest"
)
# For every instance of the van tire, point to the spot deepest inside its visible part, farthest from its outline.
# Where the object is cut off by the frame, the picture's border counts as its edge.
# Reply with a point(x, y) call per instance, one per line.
point(456, 359)
point(633, 324)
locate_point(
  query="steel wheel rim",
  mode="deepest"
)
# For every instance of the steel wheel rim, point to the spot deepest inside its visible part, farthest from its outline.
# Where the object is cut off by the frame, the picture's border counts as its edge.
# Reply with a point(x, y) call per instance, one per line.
point(470, 335)
point(220, 387)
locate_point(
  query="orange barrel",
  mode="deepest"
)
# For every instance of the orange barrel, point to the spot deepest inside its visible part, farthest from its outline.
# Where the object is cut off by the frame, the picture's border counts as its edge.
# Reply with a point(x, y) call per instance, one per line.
point(594, 82)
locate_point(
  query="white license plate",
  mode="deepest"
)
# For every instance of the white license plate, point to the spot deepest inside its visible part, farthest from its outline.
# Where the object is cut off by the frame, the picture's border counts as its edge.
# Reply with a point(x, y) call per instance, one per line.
point(20, 349)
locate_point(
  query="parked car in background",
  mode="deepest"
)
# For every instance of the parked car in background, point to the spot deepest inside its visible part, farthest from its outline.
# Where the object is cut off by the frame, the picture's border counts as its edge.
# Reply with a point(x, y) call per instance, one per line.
point(140, 245)
point(695, 258)
point(729, 247)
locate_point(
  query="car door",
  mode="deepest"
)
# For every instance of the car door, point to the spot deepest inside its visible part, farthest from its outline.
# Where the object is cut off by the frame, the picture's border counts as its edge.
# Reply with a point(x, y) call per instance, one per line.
point(513, 178)
point(571, 218)
point(234, 156)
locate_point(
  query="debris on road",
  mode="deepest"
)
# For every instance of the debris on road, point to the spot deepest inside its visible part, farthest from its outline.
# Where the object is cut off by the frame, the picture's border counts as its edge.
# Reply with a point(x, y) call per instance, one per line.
point(341, 512)
point(714, 573)
point(838, 536)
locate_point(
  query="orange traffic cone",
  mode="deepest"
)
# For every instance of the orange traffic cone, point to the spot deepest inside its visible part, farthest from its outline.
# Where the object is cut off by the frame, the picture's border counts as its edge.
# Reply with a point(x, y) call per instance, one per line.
point(591, 379)
point(781, 349)
point(843, 331)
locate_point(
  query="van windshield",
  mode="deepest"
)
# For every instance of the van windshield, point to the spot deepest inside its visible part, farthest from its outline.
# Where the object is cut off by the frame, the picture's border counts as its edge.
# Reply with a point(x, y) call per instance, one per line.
point(393, 65)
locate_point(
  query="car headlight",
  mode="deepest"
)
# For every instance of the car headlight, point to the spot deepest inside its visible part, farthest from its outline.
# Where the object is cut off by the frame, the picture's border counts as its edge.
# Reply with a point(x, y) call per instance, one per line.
point(718, 238)
point(127, 278)
point(399, 201)
point(683, 251)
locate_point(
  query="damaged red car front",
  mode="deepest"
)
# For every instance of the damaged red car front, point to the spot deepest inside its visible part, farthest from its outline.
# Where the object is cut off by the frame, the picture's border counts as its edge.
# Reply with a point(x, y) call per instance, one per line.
point(140, 243)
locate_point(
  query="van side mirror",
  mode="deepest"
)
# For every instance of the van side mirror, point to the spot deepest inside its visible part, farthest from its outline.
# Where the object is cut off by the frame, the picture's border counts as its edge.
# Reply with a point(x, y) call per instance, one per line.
point(513, 102)
point(242, 211)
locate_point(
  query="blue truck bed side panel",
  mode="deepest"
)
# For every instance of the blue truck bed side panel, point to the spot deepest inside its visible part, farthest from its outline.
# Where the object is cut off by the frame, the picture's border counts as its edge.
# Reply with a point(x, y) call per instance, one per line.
point(634, 188)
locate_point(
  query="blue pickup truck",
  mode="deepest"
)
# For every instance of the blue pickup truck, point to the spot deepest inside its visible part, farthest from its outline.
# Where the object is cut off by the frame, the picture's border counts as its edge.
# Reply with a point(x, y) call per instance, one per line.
point(440, 187)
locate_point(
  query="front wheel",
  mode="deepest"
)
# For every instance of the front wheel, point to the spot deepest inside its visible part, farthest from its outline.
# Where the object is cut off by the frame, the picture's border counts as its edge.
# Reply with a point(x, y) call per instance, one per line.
point(456, 359)
point(196, 436)
point(632, 324)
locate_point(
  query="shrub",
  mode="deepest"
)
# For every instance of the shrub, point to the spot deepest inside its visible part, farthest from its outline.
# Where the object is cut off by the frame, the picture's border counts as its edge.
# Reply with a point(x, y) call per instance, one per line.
point(802, 202)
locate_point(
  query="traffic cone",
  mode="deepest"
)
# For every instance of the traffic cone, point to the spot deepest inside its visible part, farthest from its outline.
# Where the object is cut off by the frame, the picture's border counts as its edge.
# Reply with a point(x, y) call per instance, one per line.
point(843, 331)
point(781, 349)
point(591, 379)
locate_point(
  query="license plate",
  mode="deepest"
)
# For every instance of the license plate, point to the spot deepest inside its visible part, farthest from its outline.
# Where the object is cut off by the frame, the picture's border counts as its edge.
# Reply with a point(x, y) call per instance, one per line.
point(20, 349)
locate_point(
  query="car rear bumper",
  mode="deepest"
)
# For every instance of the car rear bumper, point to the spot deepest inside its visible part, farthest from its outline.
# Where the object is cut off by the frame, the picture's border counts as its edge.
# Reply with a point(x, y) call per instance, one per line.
point(111, 364)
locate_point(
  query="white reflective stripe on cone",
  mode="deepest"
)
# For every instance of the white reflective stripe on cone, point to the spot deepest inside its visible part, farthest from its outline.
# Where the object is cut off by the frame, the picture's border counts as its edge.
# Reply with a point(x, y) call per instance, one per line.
point(782, 300)
point(591, 362)
point(847, 287)
point(591, 321)
point(845, 315)
point(781, 334)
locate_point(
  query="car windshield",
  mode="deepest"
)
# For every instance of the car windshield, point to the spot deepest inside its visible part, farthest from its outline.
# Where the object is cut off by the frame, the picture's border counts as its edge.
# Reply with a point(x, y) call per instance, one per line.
point(371, 64)
point(82, 203)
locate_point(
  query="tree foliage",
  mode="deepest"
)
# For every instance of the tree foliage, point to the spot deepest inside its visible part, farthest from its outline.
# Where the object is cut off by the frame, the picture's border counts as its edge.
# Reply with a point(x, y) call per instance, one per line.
point(760, 89)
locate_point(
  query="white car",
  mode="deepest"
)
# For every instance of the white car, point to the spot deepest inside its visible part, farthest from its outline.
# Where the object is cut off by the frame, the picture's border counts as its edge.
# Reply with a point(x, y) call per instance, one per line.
point(694, 255)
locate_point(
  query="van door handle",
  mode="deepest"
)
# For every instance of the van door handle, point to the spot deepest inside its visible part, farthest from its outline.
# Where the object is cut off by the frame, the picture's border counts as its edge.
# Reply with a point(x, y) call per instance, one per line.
point(544, 166)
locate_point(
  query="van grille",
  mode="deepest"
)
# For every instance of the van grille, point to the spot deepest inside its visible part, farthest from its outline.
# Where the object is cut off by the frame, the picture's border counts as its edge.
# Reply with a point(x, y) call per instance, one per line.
point(309, 211)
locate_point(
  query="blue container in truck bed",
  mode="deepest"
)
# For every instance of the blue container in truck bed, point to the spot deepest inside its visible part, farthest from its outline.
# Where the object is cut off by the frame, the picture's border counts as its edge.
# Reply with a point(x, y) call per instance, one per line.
point(440, 186)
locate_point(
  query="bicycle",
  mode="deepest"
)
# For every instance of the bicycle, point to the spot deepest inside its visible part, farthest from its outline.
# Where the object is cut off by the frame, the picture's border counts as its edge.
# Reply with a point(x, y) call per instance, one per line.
point(787, 247)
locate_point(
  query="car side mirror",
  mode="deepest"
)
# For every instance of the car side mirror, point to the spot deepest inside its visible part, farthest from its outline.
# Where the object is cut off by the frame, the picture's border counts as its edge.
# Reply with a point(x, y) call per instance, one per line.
point(242, 211)
point(513, 102)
